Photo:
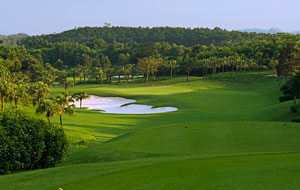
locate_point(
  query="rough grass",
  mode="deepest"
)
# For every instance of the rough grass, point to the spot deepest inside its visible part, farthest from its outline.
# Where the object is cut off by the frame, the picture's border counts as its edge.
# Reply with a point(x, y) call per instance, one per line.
point(235, 139)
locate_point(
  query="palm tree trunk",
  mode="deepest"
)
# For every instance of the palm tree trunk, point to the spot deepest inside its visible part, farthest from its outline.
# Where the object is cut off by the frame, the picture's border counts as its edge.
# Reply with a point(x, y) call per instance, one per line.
point(294, 99)
point(187, 76)
point(2, 104)
point(80, 103)
point(49, 119)
point(16, 102)
point(171, 72)
point(61, 121)
point(147, 75)
point(223, 69)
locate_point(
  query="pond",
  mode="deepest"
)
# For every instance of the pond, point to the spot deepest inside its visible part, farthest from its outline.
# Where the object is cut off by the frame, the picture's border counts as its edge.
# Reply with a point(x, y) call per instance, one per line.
point(118, 105)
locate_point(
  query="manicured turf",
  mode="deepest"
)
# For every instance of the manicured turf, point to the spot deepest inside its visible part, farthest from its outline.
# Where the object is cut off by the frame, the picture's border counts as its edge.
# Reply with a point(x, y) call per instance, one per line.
point(235, 139)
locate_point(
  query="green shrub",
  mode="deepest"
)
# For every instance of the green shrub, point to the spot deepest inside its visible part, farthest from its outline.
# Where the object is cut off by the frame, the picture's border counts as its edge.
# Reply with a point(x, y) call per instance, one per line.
point(297, 119)
point(295, 108)
point(27, 142)
point(285, 98)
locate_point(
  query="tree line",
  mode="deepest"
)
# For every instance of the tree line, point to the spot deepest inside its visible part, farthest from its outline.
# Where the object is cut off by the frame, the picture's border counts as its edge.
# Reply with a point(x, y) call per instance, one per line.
point(145, 36)
point(101, 60)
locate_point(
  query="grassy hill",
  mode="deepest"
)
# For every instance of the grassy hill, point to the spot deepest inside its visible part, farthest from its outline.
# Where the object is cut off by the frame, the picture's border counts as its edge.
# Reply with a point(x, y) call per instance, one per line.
point(236, 139)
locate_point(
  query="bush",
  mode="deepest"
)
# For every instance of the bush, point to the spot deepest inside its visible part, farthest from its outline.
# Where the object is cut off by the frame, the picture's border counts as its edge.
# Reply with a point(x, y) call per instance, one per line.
point(295, 108)
point(297, 119)
point(27, 142)
point(285, 98)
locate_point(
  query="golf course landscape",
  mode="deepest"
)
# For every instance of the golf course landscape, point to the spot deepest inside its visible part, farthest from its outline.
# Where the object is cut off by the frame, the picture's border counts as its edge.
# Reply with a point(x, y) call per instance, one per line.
point(230, 132)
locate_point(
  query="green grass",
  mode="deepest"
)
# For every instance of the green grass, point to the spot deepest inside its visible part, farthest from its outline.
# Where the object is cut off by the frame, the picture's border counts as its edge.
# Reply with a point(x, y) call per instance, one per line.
point(236, 139)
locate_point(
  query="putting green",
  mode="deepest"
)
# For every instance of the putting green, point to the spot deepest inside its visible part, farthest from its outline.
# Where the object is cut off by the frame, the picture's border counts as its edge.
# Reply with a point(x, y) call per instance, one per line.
point(235, 139)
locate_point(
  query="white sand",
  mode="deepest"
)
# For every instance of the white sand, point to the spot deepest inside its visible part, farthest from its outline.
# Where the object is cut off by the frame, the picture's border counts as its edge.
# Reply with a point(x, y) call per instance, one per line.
point(114, 105)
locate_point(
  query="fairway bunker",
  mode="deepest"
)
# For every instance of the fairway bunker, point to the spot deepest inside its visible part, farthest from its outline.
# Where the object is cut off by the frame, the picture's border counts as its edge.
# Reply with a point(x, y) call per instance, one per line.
point(119, 105)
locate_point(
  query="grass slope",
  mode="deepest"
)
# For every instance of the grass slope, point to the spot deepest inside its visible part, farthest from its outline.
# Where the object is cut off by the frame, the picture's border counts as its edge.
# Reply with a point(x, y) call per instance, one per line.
point(236, 139)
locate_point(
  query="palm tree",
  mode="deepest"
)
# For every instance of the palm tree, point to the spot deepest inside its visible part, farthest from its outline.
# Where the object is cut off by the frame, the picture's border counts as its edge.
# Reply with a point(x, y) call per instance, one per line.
point(98, 72)
point(79, 71)
point(128, 71)
point(74, 72)
point(119, 71)
point(63, 100)
point(273, 64)
point(40, 91)
point(79, 96)
point(171, 64)
point(206, 66)
point(188, 65)
point(5, 92)
point(18, 92)
point(109, 73)
point(84, 70)
point(50, 107)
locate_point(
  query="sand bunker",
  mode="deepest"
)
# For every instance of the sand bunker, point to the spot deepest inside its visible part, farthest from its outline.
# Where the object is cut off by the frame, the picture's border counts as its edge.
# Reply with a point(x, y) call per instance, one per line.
point(115, 105)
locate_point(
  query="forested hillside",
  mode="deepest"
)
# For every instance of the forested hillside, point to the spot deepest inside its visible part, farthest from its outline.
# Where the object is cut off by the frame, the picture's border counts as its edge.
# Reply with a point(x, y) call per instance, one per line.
point(147, 36)
point(11, 40)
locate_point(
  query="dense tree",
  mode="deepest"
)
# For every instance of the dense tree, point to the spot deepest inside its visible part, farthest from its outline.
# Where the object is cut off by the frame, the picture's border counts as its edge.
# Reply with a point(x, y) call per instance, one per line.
point(292, 87)
point(59, 65)
point(124, 59)
point(145, 36)
point(147, 66)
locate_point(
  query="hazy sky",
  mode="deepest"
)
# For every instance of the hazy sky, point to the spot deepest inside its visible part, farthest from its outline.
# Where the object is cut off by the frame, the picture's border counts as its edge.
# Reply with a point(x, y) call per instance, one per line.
point(43, 17)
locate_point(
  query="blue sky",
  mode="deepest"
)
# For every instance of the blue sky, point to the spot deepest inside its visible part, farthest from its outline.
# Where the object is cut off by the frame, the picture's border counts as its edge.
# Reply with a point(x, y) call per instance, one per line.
point(44, 17)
